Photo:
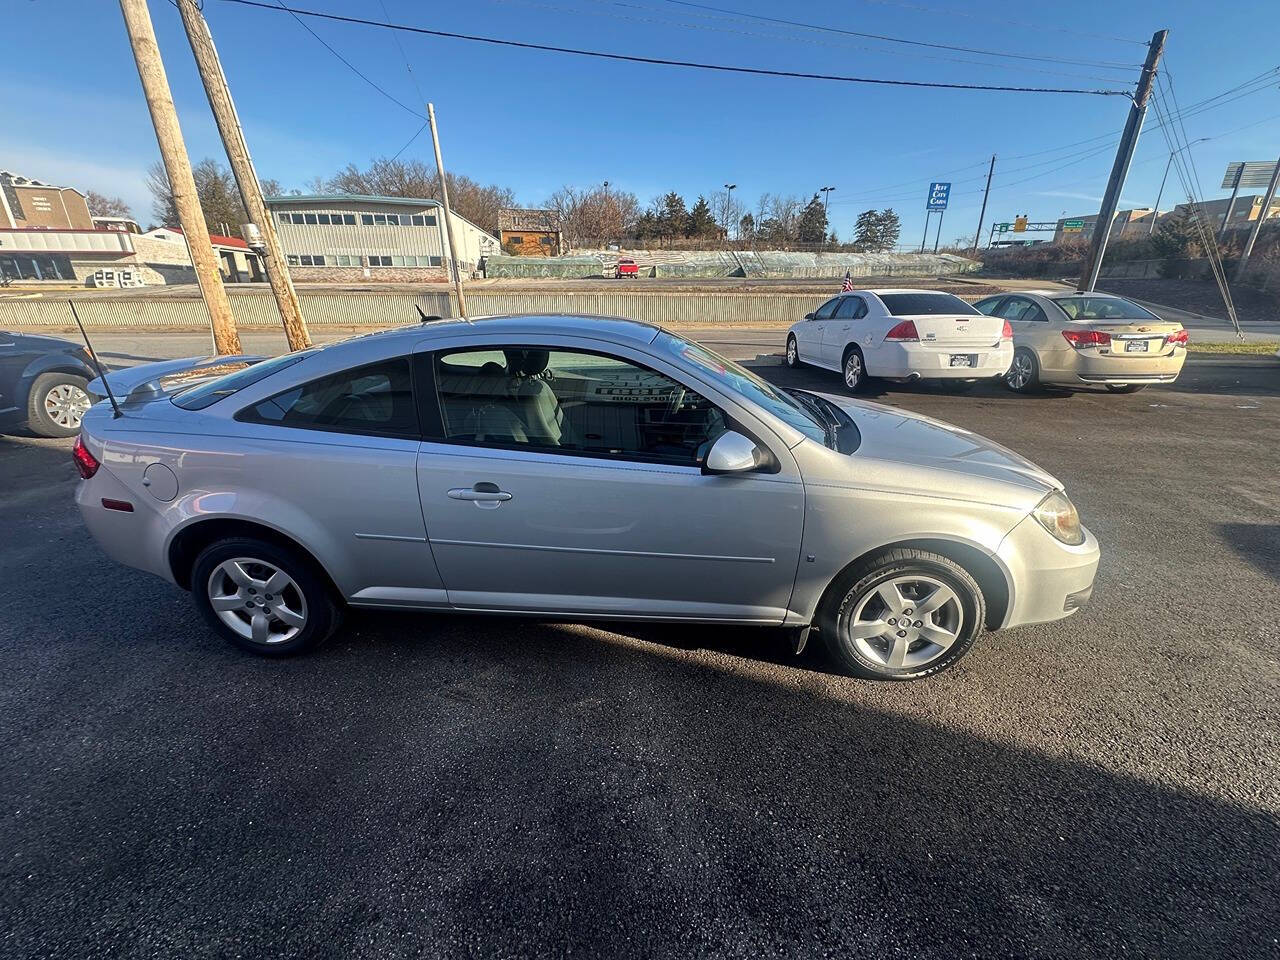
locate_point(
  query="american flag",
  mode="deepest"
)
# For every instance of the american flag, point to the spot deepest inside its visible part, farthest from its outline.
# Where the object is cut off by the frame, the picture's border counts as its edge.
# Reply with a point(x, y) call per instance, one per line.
point(847, 286)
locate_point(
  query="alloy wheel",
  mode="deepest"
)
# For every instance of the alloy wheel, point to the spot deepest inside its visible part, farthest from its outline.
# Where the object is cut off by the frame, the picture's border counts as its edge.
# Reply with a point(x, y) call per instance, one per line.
point(1020, 372)
point(792, 354)
point(66, 405)
point(257, 600)
point(905, 622)
point(853, 370)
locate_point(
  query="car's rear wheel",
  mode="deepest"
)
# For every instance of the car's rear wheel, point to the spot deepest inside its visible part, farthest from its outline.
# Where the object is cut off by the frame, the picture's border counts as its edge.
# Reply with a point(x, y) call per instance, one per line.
point(902, 615)
point(263, 597)
point(1125, 387)
point(1023, 375)
point(57, 403)
point(854, 370)
point(793, 352)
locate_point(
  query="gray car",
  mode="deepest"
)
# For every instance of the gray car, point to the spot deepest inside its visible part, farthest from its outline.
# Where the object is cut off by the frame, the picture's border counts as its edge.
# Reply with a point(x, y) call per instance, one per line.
point(570, 467)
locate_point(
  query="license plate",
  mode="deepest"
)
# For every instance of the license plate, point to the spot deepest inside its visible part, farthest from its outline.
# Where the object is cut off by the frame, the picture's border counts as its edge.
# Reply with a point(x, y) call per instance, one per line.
point(961, 360)
point(1135, 346)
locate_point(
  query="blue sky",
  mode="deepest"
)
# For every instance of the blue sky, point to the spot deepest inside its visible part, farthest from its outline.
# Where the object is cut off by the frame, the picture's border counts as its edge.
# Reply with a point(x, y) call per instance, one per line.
point(74, 112)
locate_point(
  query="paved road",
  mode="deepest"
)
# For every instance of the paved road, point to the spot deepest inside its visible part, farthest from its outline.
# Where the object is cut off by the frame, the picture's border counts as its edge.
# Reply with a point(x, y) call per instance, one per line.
point(449, 787)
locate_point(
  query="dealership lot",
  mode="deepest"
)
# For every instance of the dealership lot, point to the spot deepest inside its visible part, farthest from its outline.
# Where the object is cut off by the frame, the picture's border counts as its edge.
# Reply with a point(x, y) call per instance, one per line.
point(449, 786)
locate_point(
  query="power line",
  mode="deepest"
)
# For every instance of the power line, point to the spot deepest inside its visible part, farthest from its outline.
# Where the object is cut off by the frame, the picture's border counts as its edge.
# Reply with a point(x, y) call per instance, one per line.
point(1004, 22)
point(659, 61)
point(902, 40)
point(350, 66)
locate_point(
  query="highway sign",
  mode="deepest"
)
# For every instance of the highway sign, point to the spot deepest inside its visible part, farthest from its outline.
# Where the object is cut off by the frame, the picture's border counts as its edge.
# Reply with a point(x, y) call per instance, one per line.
point(1072, 226)
point(1254, 174)
point(1019, 224)
point(938, 196)
point(1003, 227)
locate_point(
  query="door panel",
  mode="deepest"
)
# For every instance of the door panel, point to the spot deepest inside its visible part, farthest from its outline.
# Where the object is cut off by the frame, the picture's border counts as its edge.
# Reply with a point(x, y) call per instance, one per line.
point(580, 535)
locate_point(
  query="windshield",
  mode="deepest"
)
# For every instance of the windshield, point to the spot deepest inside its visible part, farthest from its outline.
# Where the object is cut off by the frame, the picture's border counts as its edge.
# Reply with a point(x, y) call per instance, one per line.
point(923, 304)
point(739, 380)
point(1084, 309)
point(211, 391)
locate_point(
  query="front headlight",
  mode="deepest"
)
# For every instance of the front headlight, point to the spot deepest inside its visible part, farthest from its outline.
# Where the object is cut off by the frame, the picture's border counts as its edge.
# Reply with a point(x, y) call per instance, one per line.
point(1058, 515)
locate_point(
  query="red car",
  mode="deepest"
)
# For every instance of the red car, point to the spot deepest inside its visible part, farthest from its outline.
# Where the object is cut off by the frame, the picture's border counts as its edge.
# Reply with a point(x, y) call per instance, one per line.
point(627, 268)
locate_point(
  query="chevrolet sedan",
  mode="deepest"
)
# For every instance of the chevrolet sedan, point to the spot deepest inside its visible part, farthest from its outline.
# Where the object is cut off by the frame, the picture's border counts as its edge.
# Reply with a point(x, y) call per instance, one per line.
point(1067, 339)
point(570, 467)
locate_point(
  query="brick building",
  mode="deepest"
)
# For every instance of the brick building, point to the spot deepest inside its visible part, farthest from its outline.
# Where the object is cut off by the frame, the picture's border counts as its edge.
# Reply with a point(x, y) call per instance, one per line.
point(530, 233)
point(27, 204)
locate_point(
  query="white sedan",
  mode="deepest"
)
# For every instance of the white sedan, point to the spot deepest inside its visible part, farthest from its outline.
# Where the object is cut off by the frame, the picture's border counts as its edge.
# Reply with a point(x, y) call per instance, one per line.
point(901, 335)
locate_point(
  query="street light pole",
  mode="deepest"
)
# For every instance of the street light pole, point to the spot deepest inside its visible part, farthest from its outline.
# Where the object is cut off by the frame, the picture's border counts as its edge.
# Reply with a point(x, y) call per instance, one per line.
point(826, 197)
point(1155, 213)
point(728, 208)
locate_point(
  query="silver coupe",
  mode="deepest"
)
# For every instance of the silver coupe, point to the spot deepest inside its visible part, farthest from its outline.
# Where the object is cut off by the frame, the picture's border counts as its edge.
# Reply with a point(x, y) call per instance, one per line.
point(570, 467)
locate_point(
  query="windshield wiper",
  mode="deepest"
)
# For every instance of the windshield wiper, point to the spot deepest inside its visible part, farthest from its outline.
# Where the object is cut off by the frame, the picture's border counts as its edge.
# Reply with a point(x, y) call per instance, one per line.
point(830, 425)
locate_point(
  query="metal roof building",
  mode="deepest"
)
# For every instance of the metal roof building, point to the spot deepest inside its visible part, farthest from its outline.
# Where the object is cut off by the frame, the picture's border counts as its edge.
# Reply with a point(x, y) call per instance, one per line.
point(344, 237)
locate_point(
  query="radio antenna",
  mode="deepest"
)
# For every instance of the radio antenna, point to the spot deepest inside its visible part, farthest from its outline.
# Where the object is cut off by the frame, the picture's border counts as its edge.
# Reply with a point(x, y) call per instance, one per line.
point(97, 364)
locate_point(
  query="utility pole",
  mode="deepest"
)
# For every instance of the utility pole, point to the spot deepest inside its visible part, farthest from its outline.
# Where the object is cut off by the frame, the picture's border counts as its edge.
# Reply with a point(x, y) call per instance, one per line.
point(728, 209)
point(224, 112)
point(448, 217)
point(173, 151)
point(1257, 224)
point(977, 237)
point(1120, 169)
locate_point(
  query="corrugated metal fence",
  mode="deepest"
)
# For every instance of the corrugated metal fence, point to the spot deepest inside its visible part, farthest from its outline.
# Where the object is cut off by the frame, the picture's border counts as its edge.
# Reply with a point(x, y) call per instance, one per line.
point(388, 309)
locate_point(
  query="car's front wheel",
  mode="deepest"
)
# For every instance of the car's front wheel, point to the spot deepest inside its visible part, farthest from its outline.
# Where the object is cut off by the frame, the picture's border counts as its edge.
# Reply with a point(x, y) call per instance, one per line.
point(57, 403)
point(902, 615)
point(263, 597)
point(793, 352)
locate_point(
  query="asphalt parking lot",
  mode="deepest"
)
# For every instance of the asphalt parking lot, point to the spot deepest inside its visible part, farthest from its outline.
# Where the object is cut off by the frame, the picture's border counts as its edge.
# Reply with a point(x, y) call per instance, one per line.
point(445, 786)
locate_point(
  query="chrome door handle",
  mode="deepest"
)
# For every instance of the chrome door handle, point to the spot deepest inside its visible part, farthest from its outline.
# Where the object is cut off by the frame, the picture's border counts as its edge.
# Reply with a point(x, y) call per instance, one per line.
point(479, 496)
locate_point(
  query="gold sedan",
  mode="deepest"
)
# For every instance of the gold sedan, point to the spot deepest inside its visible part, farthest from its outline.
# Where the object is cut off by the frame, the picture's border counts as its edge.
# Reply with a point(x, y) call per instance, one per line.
point(1069, 339)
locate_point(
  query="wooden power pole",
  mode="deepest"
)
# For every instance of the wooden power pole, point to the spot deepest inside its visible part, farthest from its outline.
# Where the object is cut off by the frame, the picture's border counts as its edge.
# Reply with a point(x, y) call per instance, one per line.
point(173, 151)
point(448, 216)
point(1120, 169)
point(224, 112)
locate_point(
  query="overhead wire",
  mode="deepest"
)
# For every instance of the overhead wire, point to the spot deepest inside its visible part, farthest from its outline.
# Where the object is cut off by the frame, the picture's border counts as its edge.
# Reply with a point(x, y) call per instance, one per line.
point(955, 12)
point(297, 12)
point(901, 40)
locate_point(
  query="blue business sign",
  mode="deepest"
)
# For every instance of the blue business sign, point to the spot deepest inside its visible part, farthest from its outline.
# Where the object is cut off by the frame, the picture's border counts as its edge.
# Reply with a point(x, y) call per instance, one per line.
point(938, 195)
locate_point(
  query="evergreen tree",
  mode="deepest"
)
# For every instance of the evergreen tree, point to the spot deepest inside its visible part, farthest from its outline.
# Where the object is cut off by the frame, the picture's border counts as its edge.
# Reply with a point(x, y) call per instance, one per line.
point(889, 229)
point(701, 223)
point(747, 227)
point(866, 230)
point(813, 222)
point(672, 215)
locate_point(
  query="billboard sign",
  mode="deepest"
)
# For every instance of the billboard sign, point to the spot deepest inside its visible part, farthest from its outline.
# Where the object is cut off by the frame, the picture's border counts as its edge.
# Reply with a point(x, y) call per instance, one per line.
point(1253, 174)
point(938, 196)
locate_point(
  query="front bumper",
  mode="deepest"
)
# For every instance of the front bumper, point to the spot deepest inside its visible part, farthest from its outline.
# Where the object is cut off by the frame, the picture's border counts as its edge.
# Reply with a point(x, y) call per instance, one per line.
point(1050, 579)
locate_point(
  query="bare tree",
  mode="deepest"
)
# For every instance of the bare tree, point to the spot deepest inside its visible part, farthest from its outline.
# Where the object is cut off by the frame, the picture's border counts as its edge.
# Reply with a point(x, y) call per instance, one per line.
point(100, 206)
point(387, 177)
point(215, 187)
point(727, 209)
point(594, 216)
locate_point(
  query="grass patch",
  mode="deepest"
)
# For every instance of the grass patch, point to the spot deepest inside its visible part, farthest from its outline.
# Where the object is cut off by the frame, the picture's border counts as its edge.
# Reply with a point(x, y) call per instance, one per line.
point(1235, 346)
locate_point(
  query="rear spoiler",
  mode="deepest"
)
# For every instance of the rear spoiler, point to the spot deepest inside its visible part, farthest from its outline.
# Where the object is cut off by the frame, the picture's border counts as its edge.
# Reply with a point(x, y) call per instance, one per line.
point(148, 381)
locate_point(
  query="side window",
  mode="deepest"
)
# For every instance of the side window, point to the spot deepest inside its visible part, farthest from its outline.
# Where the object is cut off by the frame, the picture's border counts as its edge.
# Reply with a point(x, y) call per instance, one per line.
point(1034, 313)
point(1013, 308)
point(825, 311)
point(846, 309)
point(376, 399)
point(568, 401)
point(988, 306)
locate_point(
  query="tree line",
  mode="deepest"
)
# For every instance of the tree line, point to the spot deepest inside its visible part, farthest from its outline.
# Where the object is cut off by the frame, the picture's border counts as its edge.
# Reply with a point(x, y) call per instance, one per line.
point(589, 216)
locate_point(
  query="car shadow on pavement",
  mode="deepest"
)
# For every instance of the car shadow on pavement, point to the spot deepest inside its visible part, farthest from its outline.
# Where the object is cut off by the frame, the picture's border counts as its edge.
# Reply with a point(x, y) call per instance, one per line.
point(1258, 544)
point(497, 786)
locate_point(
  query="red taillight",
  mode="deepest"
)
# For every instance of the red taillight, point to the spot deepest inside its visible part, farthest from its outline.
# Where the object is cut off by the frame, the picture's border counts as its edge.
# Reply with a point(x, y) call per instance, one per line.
point(903, 332)
point(1007, 332)
point(1178, 336)
point(86, 462)
point(1087, 338)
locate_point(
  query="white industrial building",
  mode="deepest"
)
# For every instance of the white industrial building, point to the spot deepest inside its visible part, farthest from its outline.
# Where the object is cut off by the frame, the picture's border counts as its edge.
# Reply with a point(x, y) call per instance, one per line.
point(350, 237)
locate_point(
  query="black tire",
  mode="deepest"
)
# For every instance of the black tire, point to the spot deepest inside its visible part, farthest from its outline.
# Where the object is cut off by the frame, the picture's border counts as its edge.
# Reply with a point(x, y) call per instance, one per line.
point(857, 587)
point(51, 416)
point(854, 380)
point(322, 612)
point(792, 356)
point(1125, 387)
point(1013, 380)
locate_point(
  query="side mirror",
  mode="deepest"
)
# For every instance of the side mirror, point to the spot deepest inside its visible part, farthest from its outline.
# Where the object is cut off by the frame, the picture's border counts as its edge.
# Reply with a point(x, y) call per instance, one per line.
point(808, 316)
point(731, 452)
